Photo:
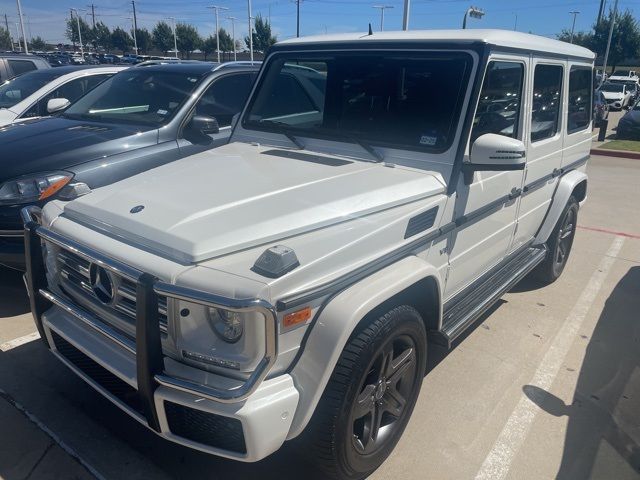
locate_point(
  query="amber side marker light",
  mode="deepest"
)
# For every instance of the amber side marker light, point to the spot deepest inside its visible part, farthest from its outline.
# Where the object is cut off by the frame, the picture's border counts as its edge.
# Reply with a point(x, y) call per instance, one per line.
point(54, 187)
point(295, 318)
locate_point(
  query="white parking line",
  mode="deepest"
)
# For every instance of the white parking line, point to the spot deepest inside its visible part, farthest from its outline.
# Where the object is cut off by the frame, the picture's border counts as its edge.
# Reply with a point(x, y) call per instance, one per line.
point(16, 342)
point(498, 462)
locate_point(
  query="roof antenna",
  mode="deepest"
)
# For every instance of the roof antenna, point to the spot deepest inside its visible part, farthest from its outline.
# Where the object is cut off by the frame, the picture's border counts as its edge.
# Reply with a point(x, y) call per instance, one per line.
point(370, 29)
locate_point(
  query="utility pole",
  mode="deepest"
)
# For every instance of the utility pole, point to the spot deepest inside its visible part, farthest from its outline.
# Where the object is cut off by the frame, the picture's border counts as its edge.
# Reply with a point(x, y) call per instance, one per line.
point(135, 26)
point(175, 38)
point(600, 12)
point(6, 22)
point(135, 39)
point(515, 24)
point(606, 54)
point(405, 16)
point(297, 18)
point(382, 9)
point(217, 9)
point(79, 32)
point(18, 37)
point(573, 26)
point(233, 37)
point(250, 31)
point(93, 15)
point(24, 37)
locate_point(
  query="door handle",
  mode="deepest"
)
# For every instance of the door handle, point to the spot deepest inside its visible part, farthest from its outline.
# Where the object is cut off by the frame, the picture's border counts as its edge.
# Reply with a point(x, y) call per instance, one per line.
point(515, 193)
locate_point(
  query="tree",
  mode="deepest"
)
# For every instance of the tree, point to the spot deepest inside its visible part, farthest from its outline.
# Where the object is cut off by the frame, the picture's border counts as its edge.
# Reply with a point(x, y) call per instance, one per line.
point(121, 40)
point(163, 37)
point(5, 39)
point(226, 42)
point(625, 42)
point(72, 31)
point(143, 37)
point(188, 38)
point(208, 46)
point(262, 38)
point(102, 36)
point(37, 43)
point(584, 39)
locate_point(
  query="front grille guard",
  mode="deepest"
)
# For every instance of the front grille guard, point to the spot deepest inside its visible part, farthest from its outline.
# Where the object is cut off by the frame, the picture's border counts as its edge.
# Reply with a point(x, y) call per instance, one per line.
point(147, 346)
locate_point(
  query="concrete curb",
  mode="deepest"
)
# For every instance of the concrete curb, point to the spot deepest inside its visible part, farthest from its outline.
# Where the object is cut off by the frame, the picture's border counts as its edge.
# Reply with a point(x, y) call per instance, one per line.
point(615, 153)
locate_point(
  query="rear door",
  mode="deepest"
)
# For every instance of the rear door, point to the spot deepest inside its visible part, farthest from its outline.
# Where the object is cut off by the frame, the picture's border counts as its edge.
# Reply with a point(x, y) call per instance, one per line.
point(577, 129)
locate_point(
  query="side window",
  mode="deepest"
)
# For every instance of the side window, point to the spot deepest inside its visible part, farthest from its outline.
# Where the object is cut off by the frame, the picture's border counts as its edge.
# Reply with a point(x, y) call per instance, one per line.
point(21, 66)
point(547, 95)
point(225, 97)
point(500, 100)
point(288, 97)
point(580, 92)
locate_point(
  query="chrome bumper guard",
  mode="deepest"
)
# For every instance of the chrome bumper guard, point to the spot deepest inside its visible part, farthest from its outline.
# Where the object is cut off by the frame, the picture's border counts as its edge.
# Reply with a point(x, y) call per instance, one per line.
point(147, 347)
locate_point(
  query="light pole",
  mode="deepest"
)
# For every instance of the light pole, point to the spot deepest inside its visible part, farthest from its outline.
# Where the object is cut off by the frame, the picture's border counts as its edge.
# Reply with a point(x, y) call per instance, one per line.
point(233, 37)
point(382, 9)
point(217, 9)
point(175, 38)
point(250, 31)
point(405, 16)
point(24, 37)
point(606, 54)
point(79, 32)
point(515, 24)
point(573, 25)
point(133, 28)
point(473, 12)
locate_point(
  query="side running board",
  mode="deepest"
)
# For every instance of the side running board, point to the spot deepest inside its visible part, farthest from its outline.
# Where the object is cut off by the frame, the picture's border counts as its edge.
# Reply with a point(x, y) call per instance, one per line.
point(467, 306)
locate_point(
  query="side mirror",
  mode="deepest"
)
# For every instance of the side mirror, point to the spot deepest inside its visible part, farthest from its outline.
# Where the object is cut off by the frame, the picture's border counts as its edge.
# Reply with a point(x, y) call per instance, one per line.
point(491, 152)
point(57, 104)
point(204, 125)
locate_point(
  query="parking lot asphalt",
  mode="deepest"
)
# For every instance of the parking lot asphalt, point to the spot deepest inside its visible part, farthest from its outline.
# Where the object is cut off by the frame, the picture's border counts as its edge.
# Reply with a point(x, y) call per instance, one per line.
point(547, 385)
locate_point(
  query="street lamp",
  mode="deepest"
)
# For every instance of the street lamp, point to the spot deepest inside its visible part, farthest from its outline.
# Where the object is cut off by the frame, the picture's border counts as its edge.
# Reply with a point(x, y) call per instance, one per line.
point(217, 10)
point(24, 37)
point(233, 36)
point(473, 12)
point(175, 38)
point(79, 32)
point(133, 29)
point(573, 26)
point(382, 9)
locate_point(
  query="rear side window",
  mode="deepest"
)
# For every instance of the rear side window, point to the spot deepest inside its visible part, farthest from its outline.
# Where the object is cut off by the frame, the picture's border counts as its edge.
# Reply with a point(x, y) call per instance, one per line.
point(500, 100)
point(547, 90)
point(225, 97)
point(580, 109)
point(21, 66)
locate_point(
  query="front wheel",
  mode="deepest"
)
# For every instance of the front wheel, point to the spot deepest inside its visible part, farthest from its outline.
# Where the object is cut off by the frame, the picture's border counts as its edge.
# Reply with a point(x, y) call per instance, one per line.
point(370, 396)
point(559, 244)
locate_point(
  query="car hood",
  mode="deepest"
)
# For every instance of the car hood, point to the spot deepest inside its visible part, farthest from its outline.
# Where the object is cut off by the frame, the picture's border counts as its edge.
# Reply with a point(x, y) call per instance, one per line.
point(240, 196)
point(613, 95)
point(632, 116)
point(57, 143)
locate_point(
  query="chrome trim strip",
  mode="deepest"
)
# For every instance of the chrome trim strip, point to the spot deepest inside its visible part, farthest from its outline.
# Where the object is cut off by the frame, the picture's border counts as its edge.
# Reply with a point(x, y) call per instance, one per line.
point(90, 321)
point(12, 233)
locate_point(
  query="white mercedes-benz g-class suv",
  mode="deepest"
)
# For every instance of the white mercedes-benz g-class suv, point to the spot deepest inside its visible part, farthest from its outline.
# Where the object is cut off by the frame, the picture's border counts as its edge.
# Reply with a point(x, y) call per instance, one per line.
point(379, 192)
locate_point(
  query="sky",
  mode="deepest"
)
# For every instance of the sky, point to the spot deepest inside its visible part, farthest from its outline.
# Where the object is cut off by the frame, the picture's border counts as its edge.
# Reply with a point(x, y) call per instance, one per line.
point(46, 18)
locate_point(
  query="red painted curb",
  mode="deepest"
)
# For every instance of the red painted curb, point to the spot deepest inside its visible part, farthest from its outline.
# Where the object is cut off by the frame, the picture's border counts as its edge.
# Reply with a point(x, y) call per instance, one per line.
point(615, 153)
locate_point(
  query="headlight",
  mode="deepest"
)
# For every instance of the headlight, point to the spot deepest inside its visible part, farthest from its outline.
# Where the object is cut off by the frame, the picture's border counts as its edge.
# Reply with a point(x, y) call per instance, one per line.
point(32, 188)
point(229, 326)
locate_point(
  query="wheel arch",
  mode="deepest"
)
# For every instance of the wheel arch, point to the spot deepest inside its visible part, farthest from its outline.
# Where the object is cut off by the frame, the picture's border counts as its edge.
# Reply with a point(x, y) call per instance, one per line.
point(397, 284)
point(572, 183)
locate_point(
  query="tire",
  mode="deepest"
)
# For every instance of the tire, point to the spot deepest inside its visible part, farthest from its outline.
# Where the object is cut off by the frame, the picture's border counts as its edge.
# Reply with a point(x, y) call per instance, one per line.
point(559, 244)
point(379, 371)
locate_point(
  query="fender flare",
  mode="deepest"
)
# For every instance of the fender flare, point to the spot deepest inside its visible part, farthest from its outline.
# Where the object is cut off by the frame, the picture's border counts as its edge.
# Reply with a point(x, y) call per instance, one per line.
point(336, 323)
point(566, 186)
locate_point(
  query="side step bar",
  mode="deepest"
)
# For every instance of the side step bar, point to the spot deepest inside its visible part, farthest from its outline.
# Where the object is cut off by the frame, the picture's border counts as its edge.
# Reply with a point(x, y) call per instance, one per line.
point(467, 306)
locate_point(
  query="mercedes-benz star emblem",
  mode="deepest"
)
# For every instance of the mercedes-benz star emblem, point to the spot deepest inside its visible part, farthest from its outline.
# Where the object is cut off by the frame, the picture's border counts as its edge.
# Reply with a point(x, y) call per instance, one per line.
point(137, 209)
point(101, 284)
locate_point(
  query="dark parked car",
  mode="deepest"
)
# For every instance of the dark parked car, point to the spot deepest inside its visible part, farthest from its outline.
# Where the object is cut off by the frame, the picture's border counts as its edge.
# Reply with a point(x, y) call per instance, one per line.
point(629, 124)
point(600, 108)
point(136, 120)
point(14, 65)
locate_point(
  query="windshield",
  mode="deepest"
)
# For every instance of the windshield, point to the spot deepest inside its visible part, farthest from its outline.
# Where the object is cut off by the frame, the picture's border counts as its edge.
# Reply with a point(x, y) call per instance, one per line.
point(620, 73)
point(16, 90)
point(140, 97)
point(406, 99)
point(612, 87)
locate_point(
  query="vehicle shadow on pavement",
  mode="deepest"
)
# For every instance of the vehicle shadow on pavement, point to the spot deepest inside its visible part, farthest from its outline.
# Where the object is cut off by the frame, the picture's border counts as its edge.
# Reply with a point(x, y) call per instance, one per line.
point(13, 295)
point(604, 417)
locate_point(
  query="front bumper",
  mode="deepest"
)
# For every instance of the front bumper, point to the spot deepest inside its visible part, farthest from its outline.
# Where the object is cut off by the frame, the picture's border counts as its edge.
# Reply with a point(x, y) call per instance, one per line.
point(243, 420)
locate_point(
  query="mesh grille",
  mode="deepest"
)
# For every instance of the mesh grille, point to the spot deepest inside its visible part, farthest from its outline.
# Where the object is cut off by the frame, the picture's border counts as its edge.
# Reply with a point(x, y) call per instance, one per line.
point(206, 428)
point(103, 377)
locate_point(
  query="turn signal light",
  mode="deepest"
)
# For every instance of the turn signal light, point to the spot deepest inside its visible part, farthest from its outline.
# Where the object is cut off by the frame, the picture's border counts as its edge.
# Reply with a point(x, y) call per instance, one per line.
point(296, 318)
point(54, 187)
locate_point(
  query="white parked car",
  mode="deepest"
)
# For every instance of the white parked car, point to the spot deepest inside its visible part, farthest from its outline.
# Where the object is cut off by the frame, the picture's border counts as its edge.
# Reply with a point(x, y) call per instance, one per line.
point(42, 92)
point(617, 95)
point(285, 286)
point(624, 76)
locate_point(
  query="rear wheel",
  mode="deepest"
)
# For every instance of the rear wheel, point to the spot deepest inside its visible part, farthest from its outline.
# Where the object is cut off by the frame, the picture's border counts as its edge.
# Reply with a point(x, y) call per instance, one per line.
point(370, 396)
point(559, 244)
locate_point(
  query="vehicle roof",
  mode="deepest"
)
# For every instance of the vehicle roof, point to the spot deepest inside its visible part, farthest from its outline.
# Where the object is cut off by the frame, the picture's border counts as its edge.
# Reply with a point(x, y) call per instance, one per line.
point(73, 68)
point(22, 56)
point(501, 38)
point(196, 68)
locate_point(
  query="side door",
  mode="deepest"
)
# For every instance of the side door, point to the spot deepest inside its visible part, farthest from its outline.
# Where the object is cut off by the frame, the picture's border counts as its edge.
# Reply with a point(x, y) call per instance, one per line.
point(71, 90)
point(544, 147)
point(484, 213)
point(223, 98)
point(577, 131)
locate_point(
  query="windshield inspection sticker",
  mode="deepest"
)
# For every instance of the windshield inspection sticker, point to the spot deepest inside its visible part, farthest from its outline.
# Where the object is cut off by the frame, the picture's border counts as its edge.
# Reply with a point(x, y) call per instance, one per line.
point(162, 112)
point(428, 140)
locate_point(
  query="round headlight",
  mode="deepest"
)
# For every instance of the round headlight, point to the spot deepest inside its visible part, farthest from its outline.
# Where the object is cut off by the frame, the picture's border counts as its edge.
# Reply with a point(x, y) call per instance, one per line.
point(229, 326)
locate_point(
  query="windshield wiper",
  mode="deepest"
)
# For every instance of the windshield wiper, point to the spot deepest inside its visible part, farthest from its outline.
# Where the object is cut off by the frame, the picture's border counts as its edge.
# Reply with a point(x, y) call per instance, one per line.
point(292, 138)
point(367, 146)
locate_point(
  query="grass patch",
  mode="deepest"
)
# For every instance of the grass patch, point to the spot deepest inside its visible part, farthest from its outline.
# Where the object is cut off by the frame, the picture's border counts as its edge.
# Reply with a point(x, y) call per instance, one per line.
point(628, 145)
